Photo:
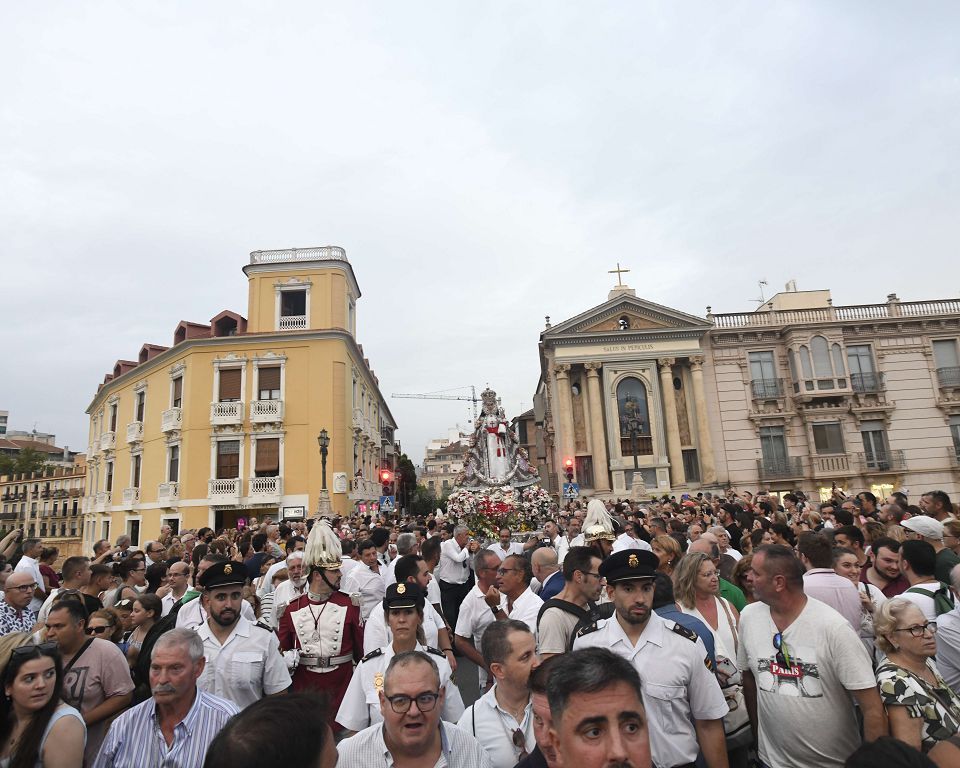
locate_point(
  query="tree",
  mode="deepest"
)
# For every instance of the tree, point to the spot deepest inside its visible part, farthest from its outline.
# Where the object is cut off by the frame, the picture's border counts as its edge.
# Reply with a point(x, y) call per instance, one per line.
point(26, 461)
point(406, 479)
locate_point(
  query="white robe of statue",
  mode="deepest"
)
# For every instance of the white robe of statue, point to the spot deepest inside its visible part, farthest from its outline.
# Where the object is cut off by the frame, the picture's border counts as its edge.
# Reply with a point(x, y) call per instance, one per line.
point(495, 433)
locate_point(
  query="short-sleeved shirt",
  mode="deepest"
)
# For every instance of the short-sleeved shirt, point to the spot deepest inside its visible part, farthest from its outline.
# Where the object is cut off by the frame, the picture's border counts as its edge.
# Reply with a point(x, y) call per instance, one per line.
point(555, 630)
point(526, 608)
point(938, 706)
point(493, 726)
point(12, 620)
point(458, 749)
point(247, 667)
point(376, 633)
point(827, 660)
point(368, 584)
point(99, 673)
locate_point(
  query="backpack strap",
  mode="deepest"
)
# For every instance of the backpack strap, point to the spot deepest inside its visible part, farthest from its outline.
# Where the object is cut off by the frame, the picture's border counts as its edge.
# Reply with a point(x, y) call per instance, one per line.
point(564, 605)
point(920, 591)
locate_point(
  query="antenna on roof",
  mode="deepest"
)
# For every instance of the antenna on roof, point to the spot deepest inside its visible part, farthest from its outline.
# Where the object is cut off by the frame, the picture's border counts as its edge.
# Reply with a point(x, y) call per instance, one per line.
point(761, 301)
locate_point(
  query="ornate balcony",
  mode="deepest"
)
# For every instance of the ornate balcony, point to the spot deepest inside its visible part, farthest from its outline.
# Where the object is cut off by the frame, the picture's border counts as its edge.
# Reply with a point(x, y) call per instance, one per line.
point(364, 490)
point(102, 501)
point(131, 496)
point(226, 414)
point(293, 323)
point(867, 382)
point(224, 491)
point(948, 378)
point(787, 468)
point(766, 389)
point(135, 432)
point(831, 466)
point(266, 490)
point(266, 411)
point(357, 420)
point(171, 420)
point(108, 441)
point(168, 494)
point(891, 461)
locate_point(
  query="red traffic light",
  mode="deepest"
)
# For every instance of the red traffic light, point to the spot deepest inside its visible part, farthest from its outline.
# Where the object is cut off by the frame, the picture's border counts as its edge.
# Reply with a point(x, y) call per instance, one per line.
point(568, 463)
point(386, 476)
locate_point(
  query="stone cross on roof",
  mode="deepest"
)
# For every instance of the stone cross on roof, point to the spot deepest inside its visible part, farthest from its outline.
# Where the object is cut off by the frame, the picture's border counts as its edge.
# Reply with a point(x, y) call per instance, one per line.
point(619, 273)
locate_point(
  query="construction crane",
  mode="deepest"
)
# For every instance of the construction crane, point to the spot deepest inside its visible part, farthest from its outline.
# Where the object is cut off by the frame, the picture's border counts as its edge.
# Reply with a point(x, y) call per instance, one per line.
point(439, 395)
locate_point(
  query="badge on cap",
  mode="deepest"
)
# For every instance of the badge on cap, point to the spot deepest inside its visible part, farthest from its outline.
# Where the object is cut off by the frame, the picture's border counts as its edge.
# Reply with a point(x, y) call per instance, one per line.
point(401, 589)
point(633, 561)
point(228, 569)
point(378, 681)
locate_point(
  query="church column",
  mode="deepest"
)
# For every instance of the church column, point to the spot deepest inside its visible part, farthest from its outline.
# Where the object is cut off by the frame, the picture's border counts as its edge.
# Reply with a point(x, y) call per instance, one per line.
point(707, 463)
point(564, 415)
point(601, 466)
point(670, 416)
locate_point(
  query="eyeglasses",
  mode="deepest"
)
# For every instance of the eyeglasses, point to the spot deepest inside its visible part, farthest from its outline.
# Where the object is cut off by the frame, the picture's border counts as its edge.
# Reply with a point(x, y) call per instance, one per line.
point(99, 630)
point(919, 630)
point(783, 653)
point(26, 650)
point(23, 588)
point(401, 703)
point(520, 742)
point(501, 571)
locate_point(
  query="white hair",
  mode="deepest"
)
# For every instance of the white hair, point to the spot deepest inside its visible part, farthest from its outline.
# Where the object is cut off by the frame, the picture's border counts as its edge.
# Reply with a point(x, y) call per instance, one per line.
point(297, 554)
point(181, 637)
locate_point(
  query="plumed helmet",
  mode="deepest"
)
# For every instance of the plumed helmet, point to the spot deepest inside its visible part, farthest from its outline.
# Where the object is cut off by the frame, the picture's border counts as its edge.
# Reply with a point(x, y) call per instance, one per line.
point(323, 548)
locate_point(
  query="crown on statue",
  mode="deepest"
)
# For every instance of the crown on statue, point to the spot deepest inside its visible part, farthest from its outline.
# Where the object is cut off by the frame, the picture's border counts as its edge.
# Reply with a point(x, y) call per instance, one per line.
point(489, 398)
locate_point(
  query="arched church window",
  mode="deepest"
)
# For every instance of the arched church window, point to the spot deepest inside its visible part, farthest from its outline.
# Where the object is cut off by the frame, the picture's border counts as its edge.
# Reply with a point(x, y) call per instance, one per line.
point(624, 323)
point(634, 415)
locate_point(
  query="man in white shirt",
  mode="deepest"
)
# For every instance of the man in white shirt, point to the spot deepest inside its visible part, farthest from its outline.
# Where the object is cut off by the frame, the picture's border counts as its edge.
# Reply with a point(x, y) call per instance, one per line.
point(475, 614)
point(29, 563)
point(179, 580)
point(918, 563)
point(513, 582)
point(505, 711)
point(628, 539)
point(572, 537)
point(505, 547)
point(453, 572)
point(948, 637)
point(723, 541)
point(366, 579)
point(289, 590)
point(406, 545)
point(348, 562)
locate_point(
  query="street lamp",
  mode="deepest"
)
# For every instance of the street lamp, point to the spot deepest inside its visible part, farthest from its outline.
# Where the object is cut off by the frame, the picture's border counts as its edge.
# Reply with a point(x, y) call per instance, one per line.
point(323, 440)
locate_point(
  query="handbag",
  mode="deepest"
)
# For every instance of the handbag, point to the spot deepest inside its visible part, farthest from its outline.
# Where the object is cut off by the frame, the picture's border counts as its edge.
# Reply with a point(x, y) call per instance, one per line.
point(736, 723)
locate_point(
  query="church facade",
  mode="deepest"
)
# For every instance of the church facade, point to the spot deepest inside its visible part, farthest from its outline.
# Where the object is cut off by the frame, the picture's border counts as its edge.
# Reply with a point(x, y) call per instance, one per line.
point(798, 395)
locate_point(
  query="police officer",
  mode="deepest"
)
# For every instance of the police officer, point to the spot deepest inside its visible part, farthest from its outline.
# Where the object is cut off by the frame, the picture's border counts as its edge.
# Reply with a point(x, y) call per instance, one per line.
point(683, 698)
point(243, 661)
point(403, 609)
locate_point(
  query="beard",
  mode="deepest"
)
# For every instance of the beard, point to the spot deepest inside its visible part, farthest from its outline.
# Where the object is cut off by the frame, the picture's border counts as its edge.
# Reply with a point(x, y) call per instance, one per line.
point(226, 617)
point(299, 582)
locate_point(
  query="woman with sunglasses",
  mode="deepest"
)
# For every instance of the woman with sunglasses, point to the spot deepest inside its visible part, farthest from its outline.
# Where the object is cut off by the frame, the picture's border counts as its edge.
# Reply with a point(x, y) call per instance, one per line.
point(921, 708)
point(37, 730)
point(106, 625)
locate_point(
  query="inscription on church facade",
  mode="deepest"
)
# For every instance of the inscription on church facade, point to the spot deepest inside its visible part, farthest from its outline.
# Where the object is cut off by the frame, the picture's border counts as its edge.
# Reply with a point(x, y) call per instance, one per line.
point(630, 348)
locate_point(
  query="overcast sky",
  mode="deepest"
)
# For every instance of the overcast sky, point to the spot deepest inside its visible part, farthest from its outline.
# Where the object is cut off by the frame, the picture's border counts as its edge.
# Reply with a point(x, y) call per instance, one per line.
point(484, 164)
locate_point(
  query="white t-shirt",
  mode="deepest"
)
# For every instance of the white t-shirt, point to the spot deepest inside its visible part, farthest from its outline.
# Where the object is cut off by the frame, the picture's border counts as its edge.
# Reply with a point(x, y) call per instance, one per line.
point(811, 695)
point(31, 566)
point(923, 602)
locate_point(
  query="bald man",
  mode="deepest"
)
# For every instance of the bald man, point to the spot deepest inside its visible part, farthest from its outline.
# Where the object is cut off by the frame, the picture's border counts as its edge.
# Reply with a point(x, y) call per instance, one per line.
point(15, 615)
point(546, 569)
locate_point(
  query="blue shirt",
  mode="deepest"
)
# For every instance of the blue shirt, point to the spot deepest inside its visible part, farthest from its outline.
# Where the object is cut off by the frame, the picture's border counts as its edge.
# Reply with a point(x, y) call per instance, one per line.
point(135, 739)
point(672, 613)
point(552, 586)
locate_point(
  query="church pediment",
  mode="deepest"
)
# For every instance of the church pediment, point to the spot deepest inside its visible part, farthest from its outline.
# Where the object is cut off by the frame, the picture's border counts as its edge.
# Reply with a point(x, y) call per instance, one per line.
point(628, 314)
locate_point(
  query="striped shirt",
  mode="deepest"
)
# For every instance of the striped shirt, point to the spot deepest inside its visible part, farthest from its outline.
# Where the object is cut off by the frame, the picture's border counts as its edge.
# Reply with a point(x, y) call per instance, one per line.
point(367, 748)
point(135, 739)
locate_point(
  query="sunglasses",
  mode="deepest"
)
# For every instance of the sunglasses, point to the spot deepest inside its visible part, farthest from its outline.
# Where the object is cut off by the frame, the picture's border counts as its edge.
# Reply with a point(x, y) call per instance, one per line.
point(783, 653)
point(99, 630)
point(27, 650)
point(520, 742)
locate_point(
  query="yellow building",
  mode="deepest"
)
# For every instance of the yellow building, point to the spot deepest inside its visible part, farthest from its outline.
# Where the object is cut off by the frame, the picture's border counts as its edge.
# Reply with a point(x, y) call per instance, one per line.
point(223, 425)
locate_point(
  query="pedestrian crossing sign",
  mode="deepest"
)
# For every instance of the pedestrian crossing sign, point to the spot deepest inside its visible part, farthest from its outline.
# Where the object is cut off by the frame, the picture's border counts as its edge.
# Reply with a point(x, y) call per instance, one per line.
point(388, 504)
point(571, 490)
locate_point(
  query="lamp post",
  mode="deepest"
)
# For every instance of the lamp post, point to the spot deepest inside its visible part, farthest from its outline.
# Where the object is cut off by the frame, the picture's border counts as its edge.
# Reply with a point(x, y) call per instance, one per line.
point(323, 440)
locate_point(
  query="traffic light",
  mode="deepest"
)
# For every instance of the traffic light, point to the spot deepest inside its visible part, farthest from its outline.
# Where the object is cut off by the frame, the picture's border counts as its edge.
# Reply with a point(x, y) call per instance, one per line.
point(386, 478)
point(568, 469)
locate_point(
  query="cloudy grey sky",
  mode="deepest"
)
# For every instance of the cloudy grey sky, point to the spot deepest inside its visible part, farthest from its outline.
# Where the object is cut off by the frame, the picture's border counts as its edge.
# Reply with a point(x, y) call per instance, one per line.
point(484, 165)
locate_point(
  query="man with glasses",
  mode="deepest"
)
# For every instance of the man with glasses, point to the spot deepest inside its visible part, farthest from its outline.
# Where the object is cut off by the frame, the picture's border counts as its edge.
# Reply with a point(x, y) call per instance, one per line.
point(178, 576)
point(15, 613)
point(513, 582)
point(802, 663)
point(76, 577)
point(502, 719)
point(411, 732)
point(577, 600)
point(155, 552)
point(30, 563)
point(475, 614)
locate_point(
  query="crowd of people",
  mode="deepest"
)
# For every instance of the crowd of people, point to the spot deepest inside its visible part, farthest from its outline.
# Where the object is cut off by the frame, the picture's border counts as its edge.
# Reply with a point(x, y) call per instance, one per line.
point(715, 631)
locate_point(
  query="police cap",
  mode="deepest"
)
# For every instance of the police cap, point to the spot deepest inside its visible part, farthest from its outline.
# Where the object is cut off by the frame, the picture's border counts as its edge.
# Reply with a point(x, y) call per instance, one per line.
point(629, 564)
point(223, 575)
point(403, 595)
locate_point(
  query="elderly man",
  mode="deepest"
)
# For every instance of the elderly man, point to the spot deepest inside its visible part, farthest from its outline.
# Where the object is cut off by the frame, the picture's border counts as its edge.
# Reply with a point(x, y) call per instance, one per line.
point(453, 573)
point(546, 570)
point(412, 733)
point(15, 613)
point(176, 725)
point(513, 582)
point(596, 712)
point(289, 590)
point(30, 564)
point(406, 545)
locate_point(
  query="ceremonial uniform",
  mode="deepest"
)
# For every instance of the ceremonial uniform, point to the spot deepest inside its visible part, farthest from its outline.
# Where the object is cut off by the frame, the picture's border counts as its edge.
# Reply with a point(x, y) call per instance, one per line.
point(329, 637)
point(361, 703)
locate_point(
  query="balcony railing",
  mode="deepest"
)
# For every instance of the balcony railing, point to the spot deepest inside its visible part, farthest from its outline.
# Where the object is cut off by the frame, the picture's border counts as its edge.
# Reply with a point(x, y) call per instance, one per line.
point(892, 461)
point(780, 469)
point(867, 382)
point(892, 309)
point(225, 414)
point(953, 455)
point(108, 441)
point(322, 253)
point(763, 389)
point(102, 501)
point(948, 377)
point(293, 323)
point(171, 420)
point(168, 494)
point(266, 489)
point(130, 496)
point(224, 491)
point(831, 465)
point(357, 420)
point(135, 432)
point(266, 411)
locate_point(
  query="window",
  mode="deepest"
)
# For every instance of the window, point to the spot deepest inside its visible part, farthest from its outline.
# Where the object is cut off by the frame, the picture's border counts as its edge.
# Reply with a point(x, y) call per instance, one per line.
point(139, 403)
point(269, 383)
point(947, 362)
point(105, 530)
point(268, 457)
point(876, 453)
point(108, 485)
point(293, 303)
point(763, 375)
point(133, 531)
point(230, 384)
point(113, 417)
point(583, 466)
point(228, 459)
point(955, 434)
point(863, 377)
point(136, 462)
point(634, 418)
point(828, 437)
point(173, 464)
point(177, 395)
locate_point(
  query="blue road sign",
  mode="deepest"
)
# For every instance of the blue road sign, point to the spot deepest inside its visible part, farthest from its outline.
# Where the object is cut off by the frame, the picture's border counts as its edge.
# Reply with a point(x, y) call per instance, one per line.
point(388, 504)
point(571, 490)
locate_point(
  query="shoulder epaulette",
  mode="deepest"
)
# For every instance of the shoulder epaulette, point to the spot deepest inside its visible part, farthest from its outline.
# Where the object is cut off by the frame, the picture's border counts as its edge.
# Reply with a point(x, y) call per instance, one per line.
point(261, 625)
point(372, 655)
point(434, 651)
point(684, 632)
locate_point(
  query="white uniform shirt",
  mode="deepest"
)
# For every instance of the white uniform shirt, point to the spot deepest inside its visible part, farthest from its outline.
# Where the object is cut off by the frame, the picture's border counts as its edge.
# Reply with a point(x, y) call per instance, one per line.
point(360, 707)
point(376, 633)
point(192, 614)
point(368, 583)
point(247, 667)
point(475, 616)
point(677, 686)
point(347, 565)
point(564, 546)
point(513, 549)
point(525, 609)
point(388, 574)
point(628, 542)
point(493, 727)
point(168, 601)
point(454, 565)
